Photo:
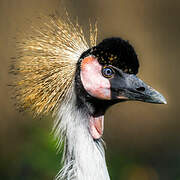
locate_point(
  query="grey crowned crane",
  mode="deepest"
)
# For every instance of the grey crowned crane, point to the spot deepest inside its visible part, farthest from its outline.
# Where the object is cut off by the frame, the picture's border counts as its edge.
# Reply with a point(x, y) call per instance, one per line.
point(57, 71)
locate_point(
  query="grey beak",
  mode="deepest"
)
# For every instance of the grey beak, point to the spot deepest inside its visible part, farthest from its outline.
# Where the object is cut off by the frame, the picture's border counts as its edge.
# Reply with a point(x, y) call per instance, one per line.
point(130, 87)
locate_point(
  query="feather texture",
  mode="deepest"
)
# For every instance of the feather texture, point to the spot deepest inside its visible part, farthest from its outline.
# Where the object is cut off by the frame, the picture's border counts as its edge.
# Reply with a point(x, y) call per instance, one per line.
point(84, 158)
point(46, 62)
point(44, 82)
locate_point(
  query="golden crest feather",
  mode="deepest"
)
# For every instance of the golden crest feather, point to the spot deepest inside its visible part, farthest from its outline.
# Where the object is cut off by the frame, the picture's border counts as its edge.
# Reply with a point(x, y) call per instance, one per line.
point(45, 66)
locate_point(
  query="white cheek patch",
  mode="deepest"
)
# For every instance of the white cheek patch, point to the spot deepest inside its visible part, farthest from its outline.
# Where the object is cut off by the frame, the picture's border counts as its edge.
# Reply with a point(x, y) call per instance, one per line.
point(92, 79)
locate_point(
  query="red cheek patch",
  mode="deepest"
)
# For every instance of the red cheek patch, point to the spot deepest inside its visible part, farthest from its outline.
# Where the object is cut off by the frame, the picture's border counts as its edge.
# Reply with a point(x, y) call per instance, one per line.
point(92, 79)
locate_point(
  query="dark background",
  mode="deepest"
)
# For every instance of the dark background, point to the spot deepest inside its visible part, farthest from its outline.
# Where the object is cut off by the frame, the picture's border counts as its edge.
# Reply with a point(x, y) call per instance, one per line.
point(142, 139)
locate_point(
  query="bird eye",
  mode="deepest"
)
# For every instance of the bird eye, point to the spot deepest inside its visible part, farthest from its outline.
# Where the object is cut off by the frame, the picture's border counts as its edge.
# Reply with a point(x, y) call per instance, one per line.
point(107, 72)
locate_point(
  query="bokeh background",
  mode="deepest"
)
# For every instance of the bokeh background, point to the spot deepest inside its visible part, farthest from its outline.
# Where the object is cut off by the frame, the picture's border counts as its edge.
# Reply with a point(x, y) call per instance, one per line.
point(142, 139)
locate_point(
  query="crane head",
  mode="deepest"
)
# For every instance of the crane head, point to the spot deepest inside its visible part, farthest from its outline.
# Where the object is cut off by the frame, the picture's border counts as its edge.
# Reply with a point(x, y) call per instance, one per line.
point(108, 72)
point(55, 59)
point(107, 75)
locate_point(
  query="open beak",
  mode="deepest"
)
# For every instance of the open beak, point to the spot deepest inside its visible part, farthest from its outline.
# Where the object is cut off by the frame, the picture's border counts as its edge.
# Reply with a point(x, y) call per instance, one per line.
point(129, 87)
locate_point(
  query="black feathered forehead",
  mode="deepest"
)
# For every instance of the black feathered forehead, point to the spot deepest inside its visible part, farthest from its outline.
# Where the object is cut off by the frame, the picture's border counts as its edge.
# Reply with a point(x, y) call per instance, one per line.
point(117, 52)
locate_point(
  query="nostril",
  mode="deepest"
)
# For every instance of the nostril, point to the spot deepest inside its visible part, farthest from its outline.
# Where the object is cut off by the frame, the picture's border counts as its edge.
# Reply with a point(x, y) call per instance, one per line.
point(140, 89)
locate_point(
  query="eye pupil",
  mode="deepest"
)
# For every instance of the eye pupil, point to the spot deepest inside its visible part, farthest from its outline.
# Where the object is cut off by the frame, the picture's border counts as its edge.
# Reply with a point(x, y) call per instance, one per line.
point(107, 72)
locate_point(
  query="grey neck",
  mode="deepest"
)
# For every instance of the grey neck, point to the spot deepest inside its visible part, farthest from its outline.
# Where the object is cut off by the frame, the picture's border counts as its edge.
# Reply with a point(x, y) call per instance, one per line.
point(84, 158)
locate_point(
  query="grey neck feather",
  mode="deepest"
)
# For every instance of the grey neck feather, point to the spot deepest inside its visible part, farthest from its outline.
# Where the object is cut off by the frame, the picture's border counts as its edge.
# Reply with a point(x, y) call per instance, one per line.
point(84, 158)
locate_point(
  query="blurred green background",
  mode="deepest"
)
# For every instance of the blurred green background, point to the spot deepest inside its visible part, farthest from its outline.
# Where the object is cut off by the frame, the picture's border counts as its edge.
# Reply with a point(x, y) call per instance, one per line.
point(142, 139)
